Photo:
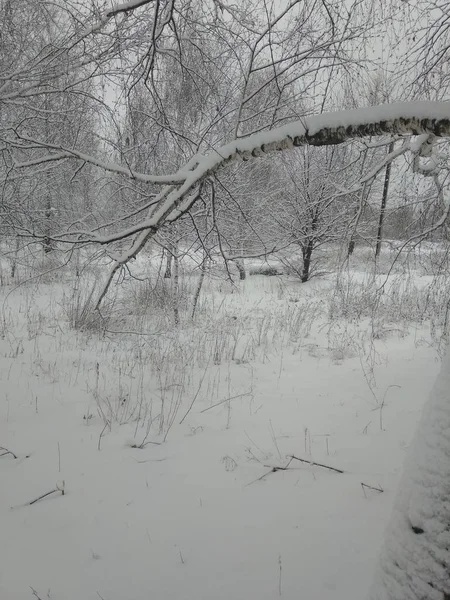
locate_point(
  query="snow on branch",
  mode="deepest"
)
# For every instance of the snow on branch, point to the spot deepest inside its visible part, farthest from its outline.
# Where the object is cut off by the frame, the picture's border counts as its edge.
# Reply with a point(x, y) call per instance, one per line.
point(65, 153)
point(127, 7)
point(404, 119)
point(123, 8)
point(430, 118)
point(327, 129)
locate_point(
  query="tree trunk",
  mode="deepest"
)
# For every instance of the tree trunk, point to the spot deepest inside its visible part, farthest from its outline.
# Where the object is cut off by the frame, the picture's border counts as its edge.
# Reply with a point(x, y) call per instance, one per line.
point(415, 561)
point(307, 254)
point(384, 198)
point(169, 257)
point(47, 242)
point(241, 269)
point(176, 290)
point(15, 257)
point(199, 287)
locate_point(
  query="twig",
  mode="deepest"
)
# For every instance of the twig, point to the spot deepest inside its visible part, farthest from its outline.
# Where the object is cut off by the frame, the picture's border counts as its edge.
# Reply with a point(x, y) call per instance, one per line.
point(57, 489)
point(272, 470)
point(140, 333)
point(142, 446)
point(100, 437)
point(226, 400)
point(366, 427)
point(280, 575)
point(274, 439)
point(275, 469)
point(383, 403)
point(256, 446)
point(316, 464)
point(370, 487)
point(196, 393)
point(5, 451)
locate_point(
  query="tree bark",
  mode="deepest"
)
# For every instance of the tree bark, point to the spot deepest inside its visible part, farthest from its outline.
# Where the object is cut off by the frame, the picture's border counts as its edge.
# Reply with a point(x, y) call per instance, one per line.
point(307, 254)
point(47, 242)
point(176, 289)
point(240, 266)
point(15, 257)
point(169, 257)
point(387, 178)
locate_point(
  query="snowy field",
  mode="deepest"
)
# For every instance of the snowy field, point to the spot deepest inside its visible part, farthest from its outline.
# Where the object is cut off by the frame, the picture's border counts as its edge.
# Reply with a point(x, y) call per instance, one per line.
point(169, 450)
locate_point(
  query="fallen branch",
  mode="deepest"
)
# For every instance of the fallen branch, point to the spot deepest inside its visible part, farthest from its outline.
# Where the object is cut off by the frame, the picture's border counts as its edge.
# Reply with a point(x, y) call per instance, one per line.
point(5, 451)
point(272, 470)
point(316, 464)
point(370, 487)
point(57, 489)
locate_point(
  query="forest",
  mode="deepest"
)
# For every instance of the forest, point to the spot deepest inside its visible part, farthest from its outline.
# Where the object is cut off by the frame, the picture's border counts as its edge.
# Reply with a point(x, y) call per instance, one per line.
point(224, 299)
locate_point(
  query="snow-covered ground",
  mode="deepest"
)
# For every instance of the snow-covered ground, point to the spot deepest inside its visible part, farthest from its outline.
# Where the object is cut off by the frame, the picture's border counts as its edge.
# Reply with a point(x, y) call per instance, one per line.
point(196, 510)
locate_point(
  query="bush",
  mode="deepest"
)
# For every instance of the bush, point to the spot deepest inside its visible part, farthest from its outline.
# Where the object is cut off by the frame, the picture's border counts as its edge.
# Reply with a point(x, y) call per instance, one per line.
point(265, 269)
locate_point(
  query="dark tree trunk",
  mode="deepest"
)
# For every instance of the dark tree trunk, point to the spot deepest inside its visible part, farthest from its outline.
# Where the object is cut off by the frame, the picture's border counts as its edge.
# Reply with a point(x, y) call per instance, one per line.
point(384, 198)
point(176, 290)
point(47, 242)
point(241, 269)
point(169, 258)
point(15, 256)
point(307, 254)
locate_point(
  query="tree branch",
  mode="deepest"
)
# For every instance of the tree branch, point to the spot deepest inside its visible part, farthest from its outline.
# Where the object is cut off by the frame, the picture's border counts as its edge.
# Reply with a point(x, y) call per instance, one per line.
point(126, 7)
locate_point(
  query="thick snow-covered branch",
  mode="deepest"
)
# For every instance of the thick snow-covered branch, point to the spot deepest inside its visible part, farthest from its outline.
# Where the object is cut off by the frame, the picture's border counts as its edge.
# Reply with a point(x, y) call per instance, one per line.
point(414, 118)
point(405, 119)
point(127, 7)
point(124, 7)
point(420, 118)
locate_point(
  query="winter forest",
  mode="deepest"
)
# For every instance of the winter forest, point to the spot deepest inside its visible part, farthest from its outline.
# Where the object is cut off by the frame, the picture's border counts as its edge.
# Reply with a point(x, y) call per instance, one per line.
point(224, 300)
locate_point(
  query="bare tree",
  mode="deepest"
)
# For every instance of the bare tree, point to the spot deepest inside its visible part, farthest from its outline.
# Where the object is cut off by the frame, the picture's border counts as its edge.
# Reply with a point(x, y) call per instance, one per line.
point(315, 210)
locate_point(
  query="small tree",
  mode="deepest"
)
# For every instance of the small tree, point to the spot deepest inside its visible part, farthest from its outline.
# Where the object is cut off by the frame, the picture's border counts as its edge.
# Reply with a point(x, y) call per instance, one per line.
point(313, 213)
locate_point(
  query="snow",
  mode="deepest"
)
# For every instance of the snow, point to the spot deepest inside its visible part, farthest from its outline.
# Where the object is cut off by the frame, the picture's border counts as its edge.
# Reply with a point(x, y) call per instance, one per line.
point(126, 6)
point(374, 114)
point(201, 515)
point(415, 562)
